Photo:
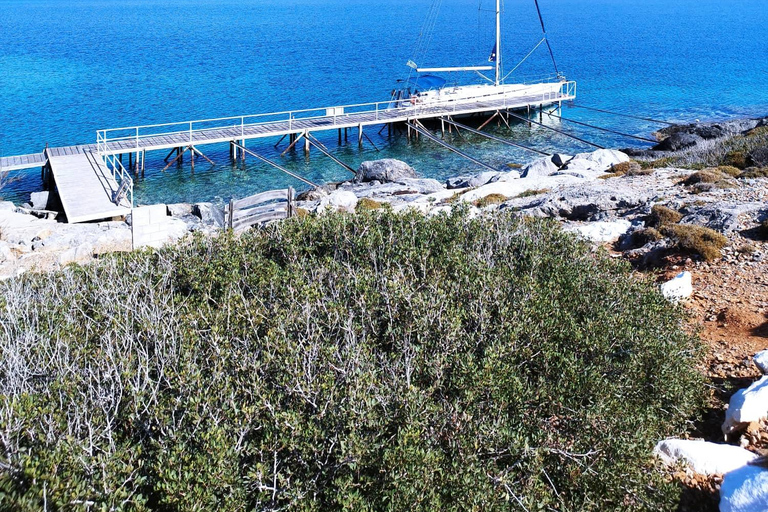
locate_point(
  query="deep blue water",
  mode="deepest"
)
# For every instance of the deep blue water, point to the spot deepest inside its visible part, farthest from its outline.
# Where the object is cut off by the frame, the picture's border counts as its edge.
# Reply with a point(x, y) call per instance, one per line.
point(70, 67)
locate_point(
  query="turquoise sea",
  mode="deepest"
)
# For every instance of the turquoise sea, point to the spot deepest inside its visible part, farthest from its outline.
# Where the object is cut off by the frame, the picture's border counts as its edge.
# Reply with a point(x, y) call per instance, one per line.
point(71, 67)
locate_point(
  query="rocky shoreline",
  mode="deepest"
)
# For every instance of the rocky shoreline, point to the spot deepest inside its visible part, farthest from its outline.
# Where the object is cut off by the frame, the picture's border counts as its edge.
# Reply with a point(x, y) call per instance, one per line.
point(694, 202)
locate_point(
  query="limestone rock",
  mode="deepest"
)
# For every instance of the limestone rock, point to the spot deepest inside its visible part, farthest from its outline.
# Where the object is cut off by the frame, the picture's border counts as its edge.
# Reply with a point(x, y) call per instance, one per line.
point(678, 141)
point(6, 253)
point(79, 254)
point(724, 216)
point(603, 159)
point(7, 206)
point(384, 170)
point(313, 194)
point(422, 185)
point(342, 200)
point(39, 200)
point(747, 405)
point(589, 201)
point(681, 287)
point(703, 457)
point(761, 361)
point(179, 209)
point(605, 231)
point(473, 181)
point(540, 167)
point(209, 214)
point(560, 159)
point(745, 490)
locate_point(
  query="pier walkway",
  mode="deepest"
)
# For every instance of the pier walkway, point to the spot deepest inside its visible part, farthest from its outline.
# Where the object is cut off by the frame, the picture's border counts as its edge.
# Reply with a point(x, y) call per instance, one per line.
point(94, 184)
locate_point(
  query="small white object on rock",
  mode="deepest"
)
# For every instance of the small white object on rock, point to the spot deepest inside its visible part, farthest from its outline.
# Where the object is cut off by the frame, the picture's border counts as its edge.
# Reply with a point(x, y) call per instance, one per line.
point(681, 287)
point(745, 490)
point(747, 406)
point(338, 200)
point(603, 231)
point(761, 361)
point(703, 457)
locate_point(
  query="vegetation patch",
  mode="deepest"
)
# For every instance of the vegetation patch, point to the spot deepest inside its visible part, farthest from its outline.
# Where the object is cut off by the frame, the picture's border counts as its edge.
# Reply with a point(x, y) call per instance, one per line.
point(735, 158)
point(345, 362)
point(662, 215)
point(754, 172)
point(532, 193)
point(658, 163)
point(514, 165)
point(696, 239)
point(728, 170)
point(367, 204)
point(490, 199)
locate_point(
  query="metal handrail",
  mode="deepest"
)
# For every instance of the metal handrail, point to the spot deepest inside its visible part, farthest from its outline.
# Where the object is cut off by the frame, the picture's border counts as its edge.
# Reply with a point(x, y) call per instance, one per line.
point(190, 128)
point(115, 166)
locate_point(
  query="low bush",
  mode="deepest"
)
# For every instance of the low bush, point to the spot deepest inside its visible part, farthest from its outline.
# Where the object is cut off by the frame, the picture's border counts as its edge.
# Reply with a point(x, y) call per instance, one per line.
point(696, 239)
point(735, 158)
point(662, 215)
point(366, 204)
point(643, 237)
point(754, 172)
point(490, 199)
point(728, 170)
point(345, 362)
point(707, 176)
point(532, 193)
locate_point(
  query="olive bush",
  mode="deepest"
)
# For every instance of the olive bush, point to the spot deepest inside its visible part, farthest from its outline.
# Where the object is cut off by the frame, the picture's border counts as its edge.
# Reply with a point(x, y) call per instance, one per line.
point(365, 362)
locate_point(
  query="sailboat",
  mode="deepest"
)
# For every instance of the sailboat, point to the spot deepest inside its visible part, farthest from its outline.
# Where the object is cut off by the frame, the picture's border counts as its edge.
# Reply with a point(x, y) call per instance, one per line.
point(427, 89)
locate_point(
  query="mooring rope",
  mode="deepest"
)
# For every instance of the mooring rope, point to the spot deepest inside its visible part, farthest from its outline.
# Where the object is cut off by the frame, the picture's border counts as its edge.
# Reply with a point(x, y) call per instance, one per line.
point(624, 115)
point(527, 120)
point(604, 129)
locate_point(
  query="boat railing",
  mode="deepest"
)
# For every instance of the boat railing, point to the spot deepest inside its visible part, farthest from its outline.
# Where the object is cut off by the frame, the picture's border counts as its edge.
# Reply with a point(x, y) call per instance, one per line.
point(136, 138)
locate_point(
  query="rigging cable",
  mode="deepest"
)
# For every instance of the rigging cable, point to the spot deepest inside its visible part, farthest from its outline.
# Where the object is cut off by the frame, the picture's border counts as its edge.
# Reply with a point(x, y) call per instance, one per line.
point(528, 120)
point(544, 30)
point(624, 115)
point(525, 58)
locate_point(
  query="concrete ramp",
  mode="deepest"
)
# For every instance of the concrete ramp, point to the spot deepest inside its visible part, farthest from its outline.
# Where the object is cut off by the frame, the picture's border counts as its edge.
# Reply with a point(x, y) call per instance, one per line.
point(86, 188)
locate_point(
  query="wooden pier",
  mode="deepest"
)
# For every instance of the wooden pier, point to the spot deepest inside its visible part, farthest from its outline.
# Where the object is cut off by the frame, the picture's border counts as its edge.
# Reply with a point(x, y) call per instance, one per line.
point(94, 184)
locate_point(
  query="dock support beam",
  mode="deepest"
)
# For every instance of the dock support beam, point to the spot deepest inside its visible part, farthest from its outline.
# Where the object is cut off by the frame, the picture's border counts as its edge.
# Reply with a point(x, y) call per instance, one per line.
point(360, 135)
point(306, 144)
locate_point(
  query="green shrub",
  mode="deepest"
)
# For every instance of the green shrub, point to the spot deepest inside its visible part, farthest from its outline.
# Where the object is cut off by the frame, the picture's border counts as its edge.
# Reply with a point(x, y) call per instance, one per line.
point(658, 163)
point(735, 158)
point(754, 172)
point(490, 199)
point(645, 236)
point(662, 215)
point(697, 239)
point(367, 204)
point(345, 362)
point(532, 193)
point(708, 176)
point(728, 170)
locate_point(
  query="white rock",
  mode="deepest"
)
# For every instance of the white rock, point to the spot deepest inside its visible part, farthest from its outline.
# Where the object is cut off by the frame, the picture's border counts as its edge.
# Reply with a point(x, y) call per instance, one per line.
point(539, 167)
point(514, 188)
point(761, 360)
point(602, 231)
point(6, 253)
point(704, 457)
point(746, 406)
point(604, 158)
point(745, 490)
point(678, 288)
point(343, 200)
point(81, 253)
point(7, 206)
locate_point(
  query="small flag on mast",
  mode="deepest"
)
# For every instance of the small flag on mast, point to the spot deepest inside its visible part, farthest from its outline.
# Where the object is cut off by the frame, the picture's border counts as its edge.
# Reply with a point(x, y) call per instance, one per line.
point(492, 58)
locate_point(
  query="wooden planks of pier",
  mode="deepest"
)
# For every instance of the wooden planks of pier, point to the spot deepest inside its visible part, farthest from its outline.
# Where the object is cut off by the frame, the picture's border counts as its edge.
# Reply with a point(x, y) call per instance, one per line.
point(86, 187)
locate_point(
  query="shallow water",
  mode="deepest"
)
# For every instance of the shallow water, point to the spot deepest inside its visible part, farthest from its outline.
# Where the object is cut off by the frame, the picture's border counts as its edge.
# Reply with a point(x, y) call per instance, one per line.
point(68, 68)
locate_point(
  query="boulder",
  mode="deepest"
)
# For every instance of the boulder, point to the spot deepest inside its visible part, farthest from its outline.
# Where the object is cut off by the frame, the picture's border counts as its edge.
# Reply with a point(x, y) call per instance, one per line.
point(681, 287)
point(540, 167)
point(560, 159)
point(678, 141)
point(209, 214)
point(39, 200)
point(6, 253)
point(512, 189)
point(340, 200)
point(473, 181)
point(422, 186)
point(747, 406)
point(722, 216)
point(745, 490)
point(761, 361)
point(7, 206)
point(179, 209)
point(313, 194)
point(81, 253)
point(384, 170)
point(703, 457)
point(603, 159)
point(600, 232)
point(591, 200)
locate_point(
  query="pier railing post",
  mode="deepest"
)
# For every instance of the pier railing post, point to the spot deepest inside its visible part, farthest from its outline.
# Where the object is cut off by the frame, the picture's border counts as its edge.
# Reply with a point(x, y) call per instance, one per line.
point(137, 138)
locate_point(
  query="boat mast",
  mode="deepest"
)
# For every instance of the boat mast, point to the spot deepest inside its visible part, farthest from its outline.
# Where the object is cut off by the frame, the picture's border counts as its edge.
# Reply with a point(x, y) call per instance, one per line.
point(498, 42)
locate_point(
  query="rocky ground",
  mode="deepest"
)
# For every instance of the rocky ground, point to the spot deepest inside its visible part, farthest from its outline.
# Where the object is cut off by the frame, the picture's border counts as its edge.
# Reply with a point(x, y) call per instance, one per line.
point(709, 219)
